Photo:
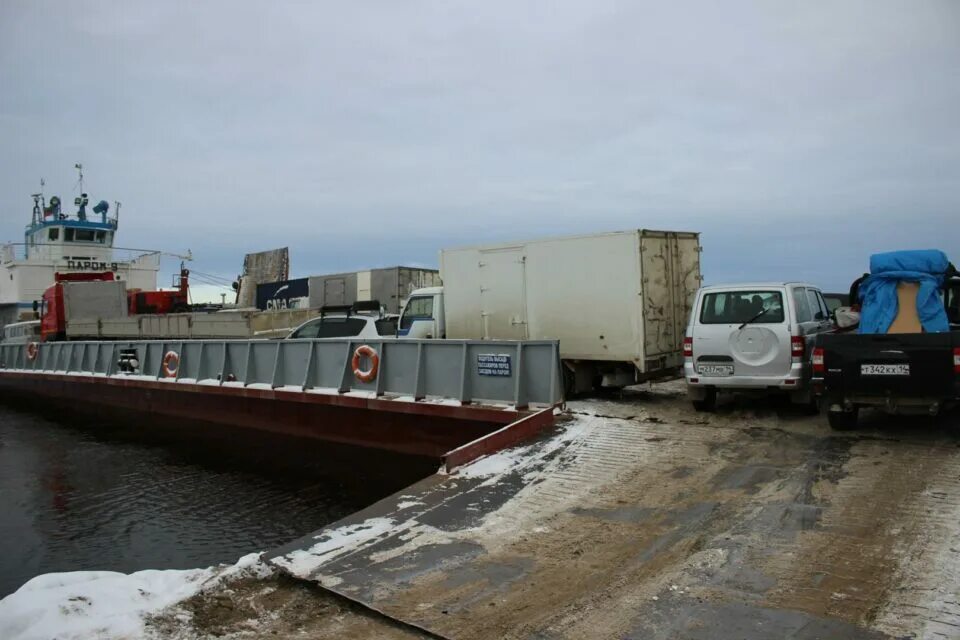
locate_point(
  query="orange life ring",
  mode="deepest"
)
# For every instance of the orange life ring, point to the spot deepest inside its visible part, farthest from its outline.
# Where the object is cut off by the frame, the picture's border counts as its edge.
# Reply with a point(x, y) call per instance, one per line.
point(370, 374)
point(32, 350)
point(171, 364)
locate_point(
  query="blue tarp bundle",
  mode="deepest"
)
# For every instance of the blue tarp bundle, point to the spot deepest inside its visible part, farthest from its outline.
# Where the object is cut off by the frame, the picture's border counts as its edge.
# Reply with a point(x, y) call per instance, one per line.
point(878, 293)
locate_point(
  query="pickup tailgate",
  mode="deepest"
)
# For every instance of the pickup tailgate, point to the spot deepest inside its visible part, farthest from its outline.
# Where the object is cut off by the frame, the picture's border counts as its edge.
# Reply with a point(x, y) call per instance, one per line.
point(899, 365)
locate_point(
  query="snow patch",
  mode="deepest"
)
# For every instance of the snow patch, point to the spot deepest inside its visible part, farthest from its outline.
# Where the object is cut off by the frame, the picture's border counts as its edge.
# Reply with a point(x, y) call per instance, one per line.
point(361, 394)
point(496, 465)
point(333, 543)
point(106, 604)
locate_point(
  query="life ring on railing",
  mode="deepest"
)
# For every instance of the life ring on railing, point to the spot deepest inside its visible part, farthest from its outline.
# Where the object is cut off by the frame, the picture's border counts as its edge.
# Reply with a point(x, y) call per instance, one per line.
point(171, 364)
point(370, 353)
point(32, 350)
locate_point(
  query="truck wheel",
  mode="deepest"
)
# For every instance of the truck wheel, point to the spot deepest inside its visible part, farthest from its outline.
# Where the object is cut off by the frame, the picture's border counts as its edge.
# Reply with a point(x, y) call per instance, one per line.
point(843, 420)
point(708, 403)
point(569, 382)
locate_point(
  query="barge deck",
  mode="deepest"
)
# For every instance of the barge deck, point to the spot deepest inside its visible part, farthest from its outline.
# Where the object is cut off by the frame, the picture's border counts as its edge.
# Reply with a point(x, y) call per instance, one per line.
point(443, 399)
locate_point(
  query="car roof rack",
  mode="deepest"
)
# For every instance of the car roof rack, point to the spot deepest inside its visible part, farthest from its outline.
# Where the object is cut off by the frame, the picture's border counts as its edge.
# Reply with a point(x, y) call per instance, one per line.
point(361, 306)
point(335, 309)
point(367, 305)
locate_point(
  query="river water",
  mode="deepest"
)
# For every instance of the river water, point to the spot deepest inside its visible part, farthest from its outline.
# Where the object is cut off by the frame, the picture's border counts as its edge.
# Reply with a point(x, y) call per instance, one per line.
point(82, 494)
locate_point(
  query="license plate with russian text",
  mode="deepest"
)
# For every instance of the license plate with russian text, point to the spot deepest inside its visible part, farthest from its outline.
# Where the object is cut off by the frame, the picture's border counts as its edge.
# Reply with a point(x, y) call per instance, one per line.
point(885, 369)
point(715, 369)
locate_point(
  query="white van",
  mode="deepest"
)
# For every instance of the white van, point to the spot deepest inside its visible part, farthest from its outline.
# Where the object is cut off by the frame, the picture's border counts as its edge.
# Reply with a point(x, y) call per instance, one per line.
point(754, 337)
point(21, 332)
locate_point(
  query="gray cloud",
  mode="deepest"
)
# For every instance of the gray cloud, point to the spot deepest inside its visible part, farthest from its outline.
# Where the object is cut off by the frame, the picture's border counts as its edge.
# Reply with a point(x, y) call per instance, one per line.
point(799, 138)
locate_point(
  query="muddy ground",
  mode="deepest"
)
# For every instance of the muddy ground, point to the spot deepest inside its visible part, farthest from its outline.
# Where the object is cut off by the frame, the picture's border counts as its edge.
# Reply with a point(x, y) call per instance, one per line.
point(658, 522)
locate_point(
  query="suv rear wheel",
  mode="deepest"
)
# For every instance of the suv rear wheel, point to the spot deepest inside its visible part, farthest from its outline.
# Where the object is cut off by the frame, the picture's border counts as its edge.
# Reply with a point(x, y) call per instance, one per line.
point(843, 420)
point(709, 401)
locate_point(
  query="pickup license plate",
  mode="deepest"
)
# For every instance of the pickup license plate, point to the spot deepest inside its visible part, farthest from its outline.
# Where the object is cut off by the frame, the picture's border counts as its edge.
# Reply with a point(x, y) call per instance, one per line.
point(885, 369)
point(715, 369)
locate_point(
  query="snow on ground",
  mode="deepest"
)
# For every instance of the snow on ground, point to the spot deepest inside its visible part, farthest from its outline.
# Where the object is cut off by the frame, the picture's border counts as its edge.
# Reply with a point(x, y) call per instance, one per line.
point(496, 465)
point(335, 542)
point(105, 605)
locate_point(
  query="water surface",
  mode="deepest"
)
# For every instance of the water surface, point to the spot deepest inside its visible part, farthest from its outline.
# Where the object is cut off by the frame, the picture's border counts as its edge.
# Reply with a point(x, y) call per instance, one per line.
point(80, 494)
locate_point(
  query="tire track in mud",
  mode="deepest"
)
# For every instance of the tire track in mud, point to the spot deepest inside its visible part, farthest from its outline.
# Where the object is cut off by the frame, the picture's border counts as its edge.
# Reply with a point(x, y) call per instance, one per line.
point(875, 521)
point(925, 597)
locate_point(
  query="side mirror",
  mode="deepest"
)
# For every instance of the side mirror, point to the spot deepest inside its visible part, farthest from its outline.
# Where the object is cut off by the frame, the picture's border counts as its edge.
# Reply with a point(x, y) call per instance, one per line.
point(36, 306)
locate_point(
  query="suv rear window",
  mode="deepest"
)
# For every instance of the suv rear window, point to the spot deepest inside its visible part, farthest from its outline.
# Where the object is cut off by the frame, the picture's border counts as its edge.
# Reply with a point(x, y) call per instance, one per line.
point(331, 328)
point(736, 307)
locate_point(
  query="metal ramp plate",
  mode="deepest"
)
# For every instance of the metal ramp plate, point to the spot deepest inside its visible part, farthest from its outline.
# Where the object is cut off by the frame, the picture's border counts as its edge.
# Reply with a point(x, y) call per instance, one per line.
point(615, 528)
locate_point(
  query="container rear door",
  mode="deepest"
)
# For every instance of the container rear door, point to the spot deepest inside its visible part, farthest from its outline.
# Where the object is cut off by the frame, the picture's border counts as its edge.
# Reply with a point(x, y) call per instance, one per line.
point(502, 303)
point(670, 270)
point(334, 291)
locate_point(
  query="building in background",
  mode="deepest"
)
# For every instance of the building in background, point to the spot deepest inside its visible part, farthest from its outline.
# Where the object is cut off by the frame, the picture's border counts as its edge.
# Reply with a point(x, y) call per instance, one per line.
point(390, 286)
point(258, 268)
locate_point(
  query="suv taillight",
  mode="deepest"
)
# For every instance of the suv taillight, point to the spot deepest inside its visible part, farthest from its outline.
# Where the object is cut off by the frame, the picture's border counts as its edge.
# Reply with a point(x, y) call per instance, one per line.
point(797, 346)
point(956, 359)
point(688, 347)
point(818, 360)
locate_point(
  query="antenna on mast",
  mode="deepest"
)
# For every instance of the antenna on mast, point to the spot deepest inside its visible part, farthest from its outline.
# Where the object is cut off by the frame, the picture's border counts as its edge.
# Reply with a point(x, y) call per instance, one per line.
point(79, 168)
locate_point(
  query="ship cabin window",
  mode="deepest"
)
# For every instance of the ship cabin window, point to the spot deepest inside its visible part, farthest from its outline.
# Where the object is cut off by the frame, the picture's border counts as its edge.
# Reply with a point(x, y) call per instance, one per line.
point(84, 235)
point(68, 235)
point(101, 236)
point(53, 234)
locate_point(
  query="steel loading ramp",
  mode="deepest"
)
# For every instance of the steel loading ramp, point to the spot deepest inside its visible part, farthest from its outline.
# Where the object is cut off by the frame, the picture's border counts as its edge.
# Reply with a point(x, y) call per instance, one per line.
point(633, 528)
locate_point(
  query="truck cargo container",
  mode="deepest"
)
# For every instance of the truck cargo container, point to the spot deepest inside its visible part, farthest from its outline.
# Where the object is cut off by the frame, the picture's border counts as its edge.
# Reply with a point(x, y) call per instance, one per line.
point(79, 295)
point(618, 302)
point(240, 323)
point(390, 286)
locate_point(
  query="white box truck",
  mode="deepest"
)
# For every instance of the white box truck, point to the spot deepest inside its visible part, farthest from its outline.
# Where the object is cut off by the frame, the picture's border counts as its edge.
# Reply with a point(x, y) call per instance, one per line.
point(618, 302)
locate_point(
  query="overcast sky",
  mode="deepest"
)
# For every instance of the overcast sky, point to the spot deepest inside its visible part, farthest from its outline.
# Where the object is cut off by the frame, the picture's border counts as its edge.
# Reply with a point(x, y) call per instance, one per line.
point(798, 137)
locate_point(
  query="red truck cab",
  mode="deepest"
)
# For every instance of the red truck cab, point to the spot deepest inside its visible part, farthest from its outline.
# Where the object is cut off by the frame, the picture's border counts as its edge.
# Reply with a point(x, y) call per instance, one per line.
point(53, 323)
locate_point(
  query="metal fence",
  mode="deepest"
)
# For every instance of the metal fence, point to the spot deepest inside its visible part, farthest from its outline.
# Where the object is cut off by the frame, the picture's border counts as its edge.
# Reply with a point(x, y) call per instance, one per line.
point(515, 372)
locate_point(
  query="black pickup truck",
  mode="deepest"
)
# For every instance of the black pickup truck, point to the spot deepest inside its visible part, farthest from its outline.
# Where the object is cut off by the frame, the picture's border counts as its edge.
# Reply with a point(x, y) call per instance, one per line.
point(900, 373)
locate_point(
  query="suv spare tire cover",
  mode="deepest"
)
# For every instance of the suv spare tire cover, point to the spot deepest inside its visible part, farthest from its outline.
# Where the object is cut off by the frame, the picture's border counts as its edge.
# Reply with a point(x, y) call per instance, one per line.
point(755, 346)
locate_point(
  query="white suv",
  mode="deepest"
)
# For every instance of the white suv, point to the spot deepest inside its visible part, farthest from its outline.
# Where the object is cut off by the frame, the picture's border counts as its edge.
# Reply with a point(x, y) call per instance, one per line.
point(346, 326)
point(752, 337)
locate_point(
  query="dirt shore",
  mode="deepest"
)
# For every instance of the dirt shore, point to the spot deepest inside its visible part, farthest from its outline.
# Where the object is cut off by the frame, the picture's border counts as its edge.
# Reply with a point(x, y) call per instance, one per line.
point(654, 521)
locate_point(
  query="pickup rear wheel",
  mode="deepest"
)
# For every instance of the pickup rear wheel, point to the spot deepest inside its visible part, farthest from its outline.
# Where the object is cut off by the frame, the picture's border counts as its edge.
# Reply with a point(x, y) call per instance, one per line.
point(708, 403)
point(843, 420)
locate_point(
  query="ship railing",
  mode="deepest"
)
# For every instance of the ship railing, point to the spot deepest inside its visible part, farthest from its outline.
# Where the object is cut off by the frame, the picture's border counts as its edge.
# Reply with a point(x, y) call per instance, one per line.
point(517, 373)
point(13, 251)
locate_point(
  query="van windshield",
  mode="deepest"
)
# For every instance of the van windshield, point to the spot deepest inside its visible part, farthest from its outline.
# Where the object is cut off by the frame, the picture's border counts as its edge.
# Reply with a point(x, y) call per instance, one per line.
point(736, 307)
point(419, 308)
